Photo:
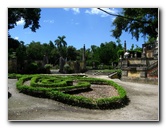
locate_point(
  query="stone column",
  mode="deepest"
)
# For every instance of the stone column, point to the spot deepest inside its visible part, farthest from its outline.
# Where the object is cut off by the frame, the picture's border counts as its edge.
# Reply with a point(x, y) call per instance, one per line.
point(61, 64)
point(83, 57)
point(45, 60)
point(144, 52)
point(124, 46)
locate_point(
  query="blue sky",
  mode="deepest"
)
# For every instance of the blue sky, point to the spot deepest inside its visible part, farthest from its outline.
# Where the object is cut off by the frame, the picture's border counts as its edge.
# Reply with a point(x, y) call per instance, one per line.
point(88, 26)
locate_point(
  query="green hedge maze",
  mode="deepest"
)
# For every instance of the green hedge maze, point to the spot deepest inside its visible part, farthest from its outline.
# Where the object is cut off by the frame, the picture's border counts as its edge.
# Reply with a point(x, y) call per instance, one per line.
point(65, 88)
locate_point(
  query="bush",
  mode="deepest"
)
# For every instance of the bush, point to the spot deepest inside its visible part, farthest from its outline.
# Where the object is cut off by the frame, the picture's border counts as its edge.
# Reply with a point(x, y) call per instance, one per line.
point(68, 69)
point(48, 66)
point(40, 88)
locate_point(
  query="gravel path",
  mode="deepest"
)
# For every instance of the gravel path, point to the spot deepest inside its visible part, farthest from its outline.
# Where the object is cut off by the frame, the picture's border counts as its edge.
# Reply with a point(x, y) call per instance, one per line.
point(143, 106)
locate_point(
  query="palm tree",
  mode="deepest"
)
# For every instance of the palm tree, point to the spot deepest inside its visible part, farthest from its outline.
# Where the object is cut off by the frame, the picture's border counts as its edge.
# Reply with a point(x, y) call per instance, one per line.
point(60, 41)
point(61, 45)
point(62, 49)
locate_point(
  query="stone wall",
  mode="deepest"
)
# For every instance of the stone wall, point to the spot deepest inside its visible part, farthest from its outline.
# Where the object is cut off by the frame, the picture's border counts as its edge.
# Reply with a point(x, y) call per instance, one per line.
point(149, 53)
point(133, 74)
point(139, 68)
point(148, 80)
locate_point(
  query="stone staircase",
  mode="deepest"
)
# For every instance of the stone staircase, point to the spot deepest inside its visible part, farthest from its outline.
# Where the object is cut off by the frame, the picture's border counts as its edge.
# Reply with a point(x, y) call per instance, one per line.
point(113, 75)
point(153, 70)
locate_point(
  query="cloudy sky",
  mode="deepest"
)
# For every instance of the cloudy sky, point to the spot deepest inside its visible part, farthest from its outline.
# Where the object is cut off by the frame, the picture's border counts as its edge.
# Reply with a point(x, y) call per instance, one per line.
point(88, 26)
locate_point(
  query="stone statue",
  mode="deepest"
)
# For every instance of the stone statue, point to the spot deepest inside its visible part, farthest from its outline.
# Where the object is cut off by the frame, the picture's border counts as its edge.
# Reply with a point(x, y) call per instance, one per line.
point(135, 55)
point(131, 55)
point(126, 55)
point(45, 60)
point(144, 52)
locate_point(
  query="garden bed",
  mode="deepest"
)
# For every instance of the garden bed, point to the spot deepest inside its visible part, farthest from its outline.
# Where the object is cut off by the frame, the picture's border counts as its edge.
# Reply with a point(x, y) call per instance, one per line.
point(84, 92)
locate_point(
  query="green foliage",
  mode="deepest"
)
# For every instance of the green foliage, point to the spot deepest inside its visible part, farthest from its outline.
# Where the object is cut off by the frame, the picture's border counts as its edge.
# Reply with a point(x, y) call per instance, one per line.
point(137, 21)
point(34, 51)
point(31, 17)
point(138, 49)
point(48, 66)
point(33, 66)
point(72, 53)
point(120, 52)
point(92, 62)
point(61, 45)
point(68, 68)
point(21, 55)
point(150, 40)
point(106, 54)
point(59, 93)
point(14, 76)
point(132, 47)
point(13, 44)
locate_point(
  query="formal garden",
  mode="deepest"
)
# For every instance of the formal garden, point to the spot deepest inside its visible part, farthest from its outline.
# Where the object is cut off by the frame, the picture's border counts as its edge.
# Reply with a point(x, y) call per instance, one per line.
point(76, 90)
point(31, 64)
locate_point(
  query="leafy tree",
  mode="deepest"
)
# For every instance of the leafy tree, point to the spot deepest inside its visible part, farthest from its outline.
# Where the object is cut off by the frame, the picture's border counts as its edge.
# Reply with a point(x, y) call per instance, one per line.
point(46, 48)
point(150, 40)
point(52, 53)
point(95, 53)
point(21, 55)
point(54, 56)
point(51, 44)
point(79, 54)
point(106, 52)
point(31, 17)
point(138, 49)
point(35, 51)
point(136, 21)
point(71, 53)
point(13, 44)
point(88, 54)
point(132, 47)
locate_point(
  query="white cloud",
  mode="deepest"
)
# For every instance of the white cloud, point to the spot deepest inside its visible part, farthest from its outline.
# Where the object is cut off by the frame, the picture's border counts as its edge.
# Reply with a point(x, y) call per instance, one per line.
point(48, 21)
point(75, 10)
point(66, 9)
point(73, 22)
point(21, 22)
point(16, 38)
point(95, 11)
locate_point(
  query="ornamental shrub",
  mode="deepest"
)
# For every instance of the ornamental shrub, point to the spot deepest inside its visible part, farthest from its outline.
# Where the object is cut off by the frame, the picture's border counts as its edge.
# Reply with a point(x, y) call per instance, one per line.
point(60, 93)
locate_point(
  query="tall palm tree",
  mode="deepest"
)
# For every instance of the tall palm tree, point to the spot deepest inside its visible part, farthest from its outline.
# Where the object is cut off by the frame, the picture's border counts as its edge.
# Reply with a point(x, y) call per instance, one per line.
point(60, 42)
point(61, 45)
point(62, 49)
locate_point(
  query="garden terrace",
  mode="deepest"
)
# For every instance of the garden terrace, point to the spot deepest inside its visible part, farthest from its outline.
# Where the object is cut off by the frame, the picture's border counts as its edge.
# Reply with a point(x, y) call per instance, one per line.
point(75, 90)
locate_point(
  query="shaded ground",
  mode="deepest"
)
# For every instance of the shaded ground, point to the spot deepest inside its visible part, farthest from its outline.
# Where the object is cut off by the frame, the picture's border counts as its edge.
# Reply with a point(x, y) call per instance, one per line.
point(143, 106)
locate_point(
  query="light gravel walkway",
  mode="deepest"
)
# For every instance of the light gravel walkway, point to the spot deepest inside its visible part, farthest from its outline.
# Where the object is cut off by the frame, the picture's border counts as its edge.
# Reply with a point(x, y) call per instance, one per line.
point(143, 106)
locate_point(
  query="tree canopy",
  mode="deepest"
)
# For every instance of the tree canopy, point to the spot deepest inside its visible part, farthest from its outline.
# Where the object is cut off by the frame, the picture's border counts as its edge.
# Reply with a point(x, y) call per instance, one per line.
point(30, 16)
point(136, 21)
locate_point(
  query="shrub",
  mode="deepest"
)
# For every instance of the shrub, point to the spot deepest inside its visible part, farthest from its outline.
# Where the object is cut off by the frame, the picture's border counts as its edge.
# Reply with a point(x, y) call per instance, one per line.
point(48, 66)
point(57, 91)
point(68, 69)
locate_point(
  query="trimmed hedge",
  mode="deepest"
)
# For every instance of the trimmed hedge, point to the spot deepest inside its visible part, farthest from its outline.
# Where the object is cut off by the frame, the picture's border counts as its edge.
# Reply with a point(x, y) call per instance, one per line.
point(60, 92)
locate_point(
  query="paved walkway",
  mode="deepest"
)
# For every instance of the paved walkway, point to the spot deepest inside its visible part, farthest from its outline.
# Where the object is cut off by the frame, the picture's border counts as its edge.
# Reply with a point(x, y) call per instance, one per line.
point(143, 106)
